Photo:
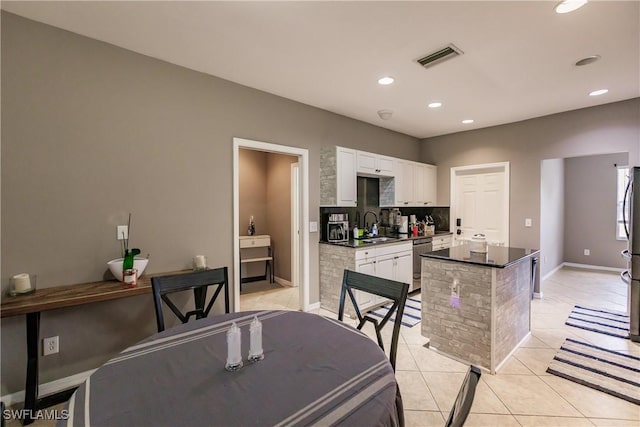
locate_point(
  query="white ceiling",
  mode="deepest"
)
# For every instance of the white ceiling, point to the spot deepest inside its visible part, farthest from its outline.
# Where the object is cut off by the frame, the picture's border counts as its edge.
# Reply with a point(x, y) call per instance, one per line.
point(518, 60)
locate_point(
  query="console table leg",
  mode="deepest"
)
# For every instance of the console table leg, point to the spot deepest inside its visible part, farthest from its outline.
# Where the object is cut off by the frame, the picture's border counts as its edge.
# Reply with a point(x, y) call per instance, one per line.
point(31, 387)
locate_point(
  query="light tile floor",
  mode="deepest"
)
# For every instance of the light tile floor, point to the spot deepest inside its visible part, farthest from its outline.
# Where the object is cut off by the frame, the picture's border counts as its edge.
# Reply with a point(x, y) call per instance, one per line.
point(521, 393)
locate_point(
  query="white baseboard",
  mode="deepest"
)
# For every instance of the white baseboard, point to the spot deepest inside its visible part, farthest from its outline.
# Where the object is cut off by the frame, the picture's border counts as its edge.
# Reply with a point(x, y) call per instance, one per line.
point(283, 282)
point(549, 274)
point(592, 267)
point(537, 295)
point(314, 306)
point(49, 388)
point(511, 352)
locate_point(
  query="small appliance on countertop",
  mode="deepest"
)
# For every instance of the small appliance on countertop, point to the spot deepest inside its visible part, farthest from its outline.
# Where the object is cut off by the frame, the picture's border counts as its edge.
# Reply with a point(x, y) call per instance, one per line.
point(338, 228)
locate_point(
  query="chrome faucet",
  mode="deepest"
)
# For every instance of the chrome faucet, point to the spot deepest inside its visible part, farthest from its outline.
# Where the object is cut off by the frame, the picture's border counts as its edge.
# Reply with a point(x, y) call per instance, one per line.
point(365, 218)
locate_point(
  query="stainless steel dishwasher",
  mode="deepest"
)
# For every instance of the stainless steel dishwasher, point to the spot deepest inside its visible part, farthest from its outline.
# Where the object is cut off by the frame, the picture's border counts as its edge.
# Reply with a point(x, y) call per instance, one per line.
point(420, 246)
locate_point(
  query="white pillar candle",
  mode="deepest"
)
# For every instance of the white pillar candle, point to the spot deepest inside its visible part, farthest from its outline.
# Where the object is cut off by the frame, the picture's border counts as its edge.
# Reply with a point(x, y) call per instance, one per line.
point(201, 263)
point(234, 356)
point(21, 282)
point(255, 340)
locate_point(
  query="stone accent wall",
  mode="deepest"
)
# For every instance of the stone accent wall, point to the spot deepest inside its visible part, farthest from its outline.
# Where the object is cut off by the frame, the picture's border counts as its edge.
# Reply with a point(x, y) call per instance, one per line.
point(466, 332)
point(334, 260)
point(513, 305)
point(328, 177)
point(463, 332)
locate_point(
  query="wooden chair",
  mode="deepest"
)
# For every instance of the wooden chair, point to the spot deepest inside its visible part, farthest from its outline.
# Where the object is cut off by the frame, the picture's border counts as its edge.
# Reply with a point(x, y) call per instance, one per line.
point(462, 405)
point(199, 281)
point(389, 289)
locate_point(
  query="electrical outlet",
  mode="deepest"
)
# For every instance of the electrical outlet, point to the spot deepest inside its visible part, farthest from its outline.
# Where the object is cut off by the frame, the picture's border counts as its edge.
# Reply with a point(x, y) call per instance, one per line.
point(527, 222)
point(122, 232)
point(587, 252)
point(50, 345)
point(313, 227)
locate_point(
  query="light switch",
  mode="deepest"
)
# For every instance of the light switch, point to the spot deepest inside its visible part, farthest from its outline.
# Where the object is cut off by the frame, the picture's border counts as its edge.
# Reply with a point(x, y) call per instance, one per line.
point(527, 222)
point(313, 227)
point(122, 232)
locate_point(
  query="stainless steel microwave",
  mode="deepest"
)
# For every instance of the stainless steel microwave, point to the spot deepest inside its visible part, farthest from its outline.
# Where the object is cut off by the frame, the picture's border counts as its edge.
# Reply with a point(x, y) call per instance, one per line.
point(338, 231)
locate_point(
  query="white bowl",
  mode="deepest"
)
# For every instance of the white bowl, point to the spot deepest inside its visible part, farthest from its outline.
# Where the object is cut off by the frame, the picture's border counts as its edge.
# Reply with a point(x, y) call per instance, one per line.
point(115, 265)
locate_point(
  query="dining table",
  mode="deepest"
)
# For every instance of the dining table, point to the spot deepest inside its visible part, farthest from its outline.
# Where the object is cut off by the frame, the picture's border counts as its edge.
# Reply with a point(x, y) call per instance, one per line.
point(316, 371)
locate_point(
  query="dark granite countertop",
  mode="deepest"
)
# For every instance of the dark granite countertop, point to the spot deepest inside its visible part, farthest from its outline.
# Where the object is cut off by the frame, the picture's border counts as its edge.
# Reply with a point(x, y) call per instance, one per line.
point(380, 240)
point(496, 256)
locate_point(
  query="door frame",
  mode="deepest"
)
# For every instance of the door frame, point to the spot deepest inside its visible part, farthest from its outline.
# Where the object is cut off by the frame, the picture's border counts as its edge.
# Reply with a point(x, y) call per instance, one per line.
point(303, 209)
point(480, 169)
point(295, 224)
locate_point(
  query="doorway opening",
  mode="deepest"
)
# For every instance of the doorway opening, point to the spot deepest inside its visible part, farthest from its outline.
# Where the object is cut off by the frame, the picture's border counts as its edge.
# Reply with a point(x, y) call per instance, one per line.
point(480, 202)
point(284, 229)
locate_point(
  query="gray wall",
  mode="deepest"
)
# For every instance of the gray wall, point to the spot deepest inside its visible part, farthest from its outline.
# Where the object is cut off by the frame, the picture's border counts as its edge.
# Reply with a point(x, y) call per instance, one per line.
point(552, 198)
point(590, 210)
point(610, 128)
point(91, 132)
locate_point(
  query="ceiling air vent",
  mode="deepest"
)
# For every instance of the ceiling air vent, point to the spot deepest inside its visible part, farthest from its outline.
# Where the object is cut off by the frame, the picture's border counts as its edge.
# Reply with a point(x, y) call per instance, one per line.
point(448, 52)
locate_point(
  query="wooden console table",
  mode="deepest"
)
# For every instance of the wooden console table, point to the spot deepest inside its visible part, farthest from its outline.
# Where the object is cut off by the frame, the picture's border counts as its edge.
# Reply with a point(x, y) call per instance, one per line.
point(59, 297)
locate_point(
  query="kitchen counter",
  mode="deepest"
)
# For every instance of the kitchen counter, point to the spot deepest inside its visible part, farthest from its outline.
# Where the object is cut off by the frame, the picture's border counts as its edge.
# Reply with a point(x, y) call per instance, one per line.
point(380, 240)
point(477, 307)
point(496, 256)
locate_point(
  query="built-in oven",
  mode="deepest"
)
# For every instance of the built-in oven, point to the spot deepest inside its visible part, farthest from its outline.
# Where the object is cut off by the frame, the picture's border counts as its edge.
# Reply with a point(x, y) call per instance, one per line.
point(420, 246)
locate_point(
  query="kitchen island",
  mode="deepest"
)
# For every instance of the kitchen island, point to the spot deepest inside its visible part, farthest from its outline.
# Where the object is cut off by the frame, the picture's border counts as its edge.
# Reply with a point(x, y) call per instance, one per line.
point(476, 307)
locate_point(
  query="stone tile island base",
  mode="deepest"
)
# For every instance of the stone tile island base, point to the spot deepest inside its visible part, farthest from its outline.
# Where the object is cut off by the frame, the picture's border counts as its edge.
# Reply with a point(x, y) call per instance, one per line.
point(494, 313)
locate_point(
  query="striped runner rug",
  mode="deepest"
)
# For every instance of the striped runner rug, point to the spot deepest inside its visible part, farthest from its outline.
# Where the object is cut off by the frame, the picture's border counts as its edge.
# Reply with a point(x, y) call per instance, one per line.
point(410, 317)
point(611, 372)
point(606, 322)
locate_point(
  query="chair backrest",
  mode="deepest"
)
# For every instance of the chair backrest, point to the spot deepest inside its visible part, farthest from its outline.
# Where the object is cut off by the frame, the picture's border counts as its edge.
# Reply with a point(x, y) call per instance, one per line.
point(385, 288)
point(462, 405)
point(199, 281)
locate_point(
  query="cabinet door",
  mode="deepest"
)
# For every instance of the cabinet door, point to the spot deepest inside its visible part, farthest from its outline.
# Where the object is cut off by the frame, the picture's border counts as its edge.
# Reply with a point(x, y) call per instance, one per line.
point(384, 267)
point(385, 166)
point(367, 162)
point(429, 188)
point(418, 184)
point(404, 182)
point(404, 268)
point(365, 299)
point(346, 179)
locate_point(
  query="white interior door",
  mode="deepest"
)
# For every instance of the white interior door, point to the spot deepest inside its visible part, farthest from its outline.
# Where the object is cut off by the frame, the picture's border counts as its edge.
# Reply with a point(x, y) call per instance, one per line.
point(480, 203)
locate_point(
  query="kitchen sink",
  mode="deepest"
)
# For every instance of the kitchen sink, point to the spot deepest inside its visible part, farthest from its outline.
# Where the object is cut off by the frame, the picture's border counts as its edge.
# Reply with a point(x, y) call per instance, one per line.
point(377, 239)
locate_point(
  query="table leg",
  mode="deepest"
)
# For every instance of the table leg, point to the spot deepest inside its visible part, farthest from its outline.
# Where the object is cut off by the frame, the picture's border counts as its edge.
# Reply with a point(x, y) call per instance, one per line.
point(31, 387)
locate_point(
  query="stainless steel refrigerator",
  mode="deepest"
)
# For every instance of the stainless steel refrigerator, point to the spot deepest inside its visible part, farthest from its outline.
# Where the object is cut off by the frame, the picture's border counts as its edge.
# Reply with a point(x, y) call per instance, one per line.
point(631, 276)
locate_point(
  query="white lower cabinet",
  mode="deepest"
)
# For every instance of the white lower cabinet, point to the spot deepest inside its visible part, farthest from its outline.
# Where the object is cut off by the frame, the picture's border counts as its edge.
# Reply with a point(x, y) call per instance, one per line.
point(441, 242)
point(392, 262)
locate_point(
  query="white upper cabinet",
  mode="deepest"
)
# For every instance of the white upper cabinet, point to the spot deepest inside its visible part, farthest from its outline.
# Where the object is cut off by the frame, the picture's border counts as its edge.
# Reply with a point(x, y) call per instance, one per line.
point(402, 182)
point(374, 164)
point(415, 183)
point(338, 179)
point(429, 189)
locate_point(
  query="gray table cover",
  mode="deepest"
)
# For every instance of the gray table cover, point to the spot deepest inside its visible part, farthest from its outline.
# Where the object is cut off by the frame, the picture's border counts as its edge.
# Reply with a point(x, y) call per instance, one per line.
point(316, 371)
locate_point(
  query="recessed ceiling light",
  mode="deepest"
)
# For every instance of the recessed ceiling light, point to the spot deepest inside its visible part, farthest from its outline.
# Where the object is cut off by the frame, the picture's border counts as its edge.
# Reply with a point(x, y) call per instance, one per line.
point(567, 6)
point(386, 80)
point(598, 92)
point(435, 105)
point(385, 114)
point(467, 121)
point(588, 60)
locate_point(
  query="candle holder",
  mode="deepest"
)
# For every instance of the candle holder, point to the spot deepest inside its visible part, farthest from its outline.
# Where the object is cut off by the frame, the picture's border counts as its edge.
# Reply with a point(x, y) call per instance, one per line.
point(199, 262)
point(22, 284)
